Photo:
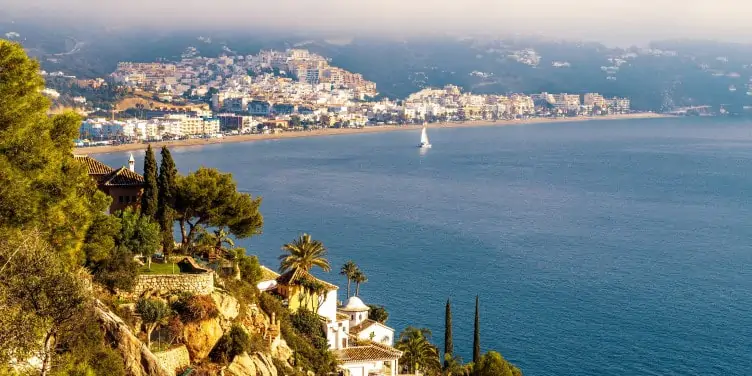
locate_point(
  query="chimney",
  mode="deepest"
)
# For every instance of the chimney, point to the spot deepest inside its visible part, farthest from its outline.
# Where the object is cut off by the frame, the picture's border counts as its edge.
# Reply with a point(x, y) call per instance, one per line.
point(132, 163)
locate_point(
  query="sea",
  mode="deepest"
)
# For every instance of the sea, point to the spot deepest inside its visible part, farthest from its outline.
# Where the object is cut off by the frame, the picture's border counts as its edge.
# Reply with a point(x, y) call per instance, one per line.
point(596, 248)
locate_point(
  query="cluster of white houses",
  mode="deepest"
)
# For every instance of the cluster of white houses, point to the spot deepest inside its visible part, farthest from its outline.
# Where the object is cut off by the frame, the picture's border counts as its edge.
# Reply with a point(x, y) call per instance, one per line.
point(362, 346)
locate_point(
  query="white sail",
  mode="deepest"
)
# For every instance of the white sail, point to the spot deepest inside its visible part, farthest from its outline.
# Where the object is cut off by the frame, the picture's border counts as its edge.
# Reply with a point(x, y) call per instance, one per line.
point(424, 137)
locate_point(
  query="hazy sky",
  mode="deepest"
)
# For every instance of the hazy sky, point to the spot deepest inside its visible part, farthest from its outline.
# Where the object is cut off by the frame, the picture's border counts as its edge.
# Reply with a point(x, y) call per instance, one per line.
point(613, 21)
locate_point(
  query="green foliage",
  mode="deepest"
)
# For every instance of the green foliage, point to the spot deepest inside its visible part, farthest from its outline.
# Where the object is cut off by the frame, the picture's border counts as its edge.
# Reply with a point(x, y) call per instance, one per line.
point(493, 364)
point(101, 238)
point(359, 277)
point(348, 270)
point(476, 331)
point(234, 343)
point(307, 355)
point(153, 312)
point(378, 313)
point(167, 187)
point(210, 199)
point(149, 197)
point(250, 269)
point(192, 308)
point(418, 354)
point(118, 271)
point(284, 369)
point(139, 234)
point(40, 300)
point(448, 342)
point(309, 325)
point(303, 253)
point(43, 186)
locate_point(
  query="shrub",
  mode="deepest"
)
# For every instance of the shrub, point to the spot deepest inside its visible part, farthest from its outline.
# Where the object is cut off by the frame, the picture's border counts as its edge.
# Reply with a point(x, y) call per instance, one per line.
point(232, 343)
point(192, 308)
point(250, 269)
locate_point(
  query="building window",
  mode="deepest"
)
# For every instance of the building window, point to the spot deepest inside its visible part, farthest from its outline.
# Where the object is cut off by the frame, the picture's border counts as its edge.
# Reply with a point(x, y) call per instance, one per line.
point(127, 199)
point(353, 317)
point(344, 342)
point(120, 199)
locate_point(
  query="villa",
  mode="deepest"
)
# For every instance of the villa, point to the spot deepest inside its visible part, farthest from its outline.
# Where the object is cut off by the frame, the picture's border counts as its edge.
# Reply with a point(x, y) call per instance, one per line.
point(124, 185)
point(363, 346)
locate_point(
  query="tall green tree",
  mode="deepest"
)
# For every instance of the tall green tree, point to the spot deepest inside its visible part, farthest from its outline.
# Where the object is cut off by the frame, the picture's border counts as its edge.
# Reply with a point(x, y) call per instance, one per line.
point(149, 198)
point(359, 277)
point(476, 332)
point(41, 185)
point(167, 189)
point(153, 312)
point(418, 354)
point(39, 300)
point(303, 253)
point(378, 313)
point(448, 344)
point(208, 198)
point(139, 234)
point(348, 270)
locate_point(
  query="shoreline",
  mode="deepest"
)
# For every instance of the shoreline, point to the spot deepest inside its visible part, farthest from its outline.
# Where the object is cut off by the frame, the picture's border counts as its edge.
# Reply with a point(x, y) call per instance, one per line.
point(346, 131)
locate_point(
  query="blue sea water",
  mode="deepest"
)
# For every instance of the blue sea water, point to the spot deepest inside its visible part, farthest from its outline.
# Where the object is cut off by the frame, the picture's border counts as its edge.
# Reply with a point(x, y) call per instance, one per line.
point(597, 248)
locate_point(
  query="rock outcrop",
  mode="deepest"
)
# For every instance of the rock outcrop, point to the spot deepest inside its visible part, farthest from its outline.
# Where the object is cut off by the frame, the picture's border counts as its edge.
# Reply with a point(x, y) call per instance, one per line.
point(280, 350)
point(258, 364)
point(139, 360)
point(228, 306)
point(201, 337)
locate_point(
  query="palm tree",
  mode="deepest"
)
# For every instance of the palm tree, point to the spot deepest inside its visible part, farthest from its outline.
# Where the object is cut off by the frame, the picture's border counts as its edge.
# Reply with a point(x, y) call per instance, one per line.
point(359, 277)
point(417, 352)
point(303, 253)
point(348, 270)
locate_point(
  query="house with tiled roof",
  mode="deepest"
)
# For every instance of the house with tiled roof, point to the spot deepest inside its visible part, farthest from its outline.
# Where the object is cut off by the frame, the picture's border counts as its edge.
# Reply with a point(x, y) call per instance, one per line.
point(123, 184)
point(362, 346)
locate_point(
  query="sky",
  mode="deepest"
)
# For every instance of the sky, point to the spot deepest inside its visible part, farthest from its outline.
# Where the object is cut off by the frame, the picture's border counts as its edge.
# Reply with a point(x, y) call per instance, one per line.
point(608, 21)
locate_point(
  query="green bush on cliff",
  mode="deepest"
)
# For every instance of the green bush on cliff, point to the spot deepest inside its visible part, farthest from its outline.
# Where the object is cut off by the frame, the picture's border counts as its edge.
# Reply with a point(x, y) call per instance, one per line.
point(234, 343)
point(192, 308)
point(314, 357)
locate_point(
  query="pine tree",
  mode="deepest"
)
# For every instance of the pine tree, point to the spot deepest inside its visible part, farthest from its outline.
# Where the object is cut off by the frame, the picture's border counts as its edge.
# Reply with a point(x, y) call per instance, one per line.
point(476, 332)
point(149, 197)
point(448, 345)
point(166, 202)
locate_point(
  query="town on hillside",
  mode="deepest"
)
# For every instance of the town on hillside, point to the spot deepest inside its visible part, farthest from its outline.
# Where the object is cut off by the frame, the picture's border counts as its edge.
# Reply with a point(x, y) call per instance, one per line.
point(285, 91)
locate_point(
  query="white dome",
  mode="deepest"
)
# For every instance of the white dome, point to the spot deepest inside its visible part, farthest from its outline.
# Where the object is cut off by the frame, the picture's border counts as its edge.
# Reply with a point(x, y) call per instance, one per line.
point(354, 304)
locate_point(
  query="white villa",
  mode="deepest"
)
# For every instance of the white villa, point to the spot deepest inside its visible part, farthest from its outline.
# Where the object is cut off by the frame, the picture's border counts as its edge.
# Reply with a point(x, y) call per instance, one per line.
point(363, 346)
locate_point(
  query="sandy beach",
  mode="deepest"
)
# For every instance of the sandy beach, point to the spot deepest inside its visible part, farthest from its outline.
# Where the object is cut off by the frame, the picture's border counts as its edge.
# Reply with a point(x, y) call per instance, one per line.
point(343, 131)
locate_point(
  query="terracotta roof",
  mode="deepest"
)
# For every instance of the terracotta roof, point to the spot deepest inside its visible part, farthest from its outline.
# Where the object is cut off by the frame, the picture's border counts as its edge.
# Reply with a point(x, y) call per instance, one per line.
point(367, 353)
point(123, 177)
point(96, 168)
point(268, 274)
point(342, 316)
point(363, 325)
point(292, 276)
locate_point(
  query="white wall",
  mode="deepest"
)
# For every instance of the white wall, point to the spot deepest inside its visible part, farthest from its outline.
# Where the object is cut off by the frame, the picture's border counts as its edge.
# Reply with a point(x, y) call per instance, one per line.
point(336, 332)
point(329, 308)
point(382, 334)
point(362, 369)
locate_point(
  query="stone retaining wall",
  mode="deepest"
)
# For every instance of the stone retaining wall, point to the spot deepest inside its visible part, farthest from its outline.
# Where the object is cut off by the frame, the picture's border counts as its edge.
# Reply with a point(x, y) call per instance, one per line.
point(174, 360)
point(197, 284)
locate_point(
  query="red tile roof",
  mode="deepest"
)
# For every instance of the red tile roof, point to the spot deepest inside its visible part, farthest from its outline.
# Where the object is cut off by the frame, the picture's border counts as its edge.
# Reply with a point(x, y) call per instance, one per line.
point(96, 168)
point(367, 353)
point(123, 177)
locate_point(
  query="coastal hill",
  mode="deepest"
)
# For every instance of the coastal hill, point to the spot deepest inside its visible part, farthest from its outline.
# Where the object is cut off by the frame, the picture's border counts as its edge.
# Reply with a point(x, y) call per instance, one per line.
point(662, 76)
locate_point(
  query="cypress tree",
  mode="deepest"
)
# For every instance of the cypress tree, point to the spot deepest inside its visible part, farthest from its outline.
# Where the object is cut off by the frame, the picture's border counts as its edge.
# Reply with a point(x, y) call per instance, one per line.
point(448, 345)
point(476, 334)
point(166, 203)
point(149, 197)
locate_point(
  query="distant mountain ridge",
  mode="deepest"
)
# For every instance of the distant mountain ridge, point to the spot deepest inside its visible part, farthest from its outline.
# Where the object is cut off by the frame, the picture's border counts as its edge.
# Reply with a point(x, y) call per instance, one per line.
point(669, 74)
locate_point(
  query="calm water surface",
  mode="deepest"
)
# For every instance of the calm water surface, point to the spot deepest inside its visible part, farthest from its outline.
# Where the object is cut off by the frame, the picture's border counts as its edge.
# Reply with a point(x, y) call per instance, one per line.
point(598, 248)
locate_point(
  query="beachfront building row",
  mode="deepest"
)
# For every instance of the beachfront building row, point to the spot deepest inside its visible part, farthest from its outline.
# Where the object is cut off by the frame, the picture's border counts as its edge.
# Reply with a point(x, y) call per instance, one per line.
point(362, 346)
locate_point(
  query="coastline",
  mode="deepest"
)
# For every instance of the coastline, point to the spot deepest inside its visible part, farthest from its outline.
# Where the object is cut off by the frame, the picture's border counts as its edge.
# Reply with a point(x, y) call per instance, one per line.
point(345, 131)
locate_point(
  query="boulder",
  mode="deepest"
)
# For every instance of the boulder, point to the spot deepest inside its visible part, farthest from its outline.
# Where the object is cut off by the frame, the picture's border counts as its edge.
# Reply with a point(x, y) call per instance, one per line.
point(280, 350)
point(201, 337)
point(228, 306)
point(138, 359)
point(246, 365)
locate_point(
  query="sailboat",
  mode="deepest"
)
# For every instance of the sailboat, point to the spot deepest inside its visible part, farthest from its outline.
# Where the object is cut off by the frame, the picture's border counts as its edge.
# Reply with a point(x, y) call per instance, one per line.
point(424, 144)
